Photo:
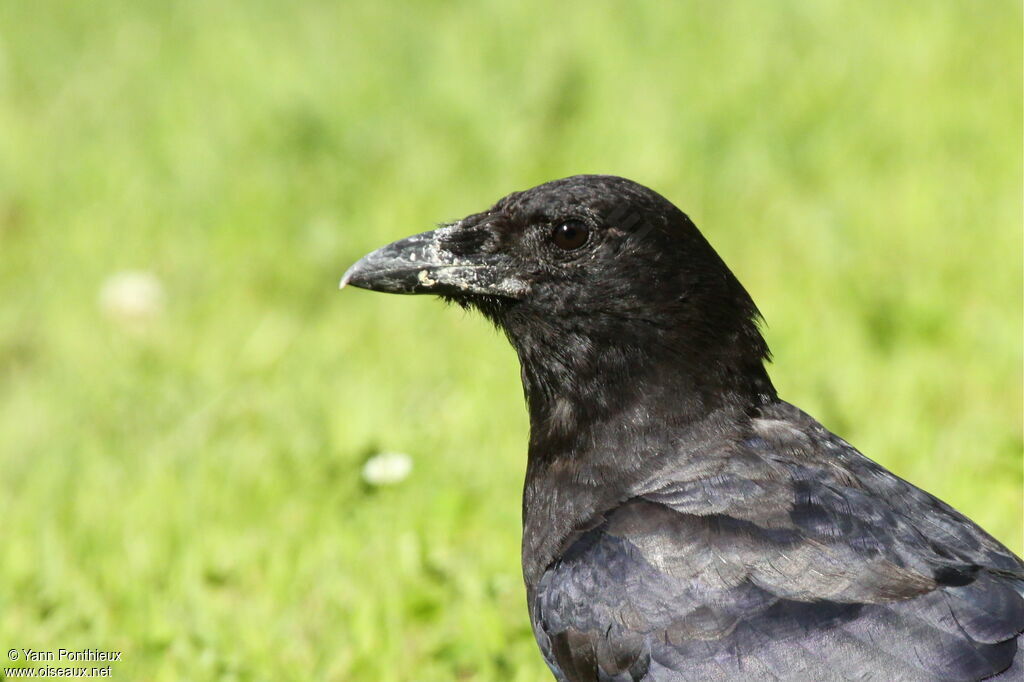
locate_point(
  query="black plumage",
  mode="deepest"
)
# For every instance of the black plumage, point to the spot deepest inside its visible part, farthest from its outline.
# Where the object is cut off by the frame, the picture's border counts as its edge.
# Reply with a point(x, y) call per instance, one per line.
point(680, 521)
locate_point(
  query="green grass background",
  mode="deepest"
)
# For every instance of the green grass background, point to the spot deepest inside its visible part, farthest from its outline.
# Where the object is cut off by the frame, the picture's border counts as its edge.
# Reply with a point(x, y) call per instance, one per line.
point(190, 494)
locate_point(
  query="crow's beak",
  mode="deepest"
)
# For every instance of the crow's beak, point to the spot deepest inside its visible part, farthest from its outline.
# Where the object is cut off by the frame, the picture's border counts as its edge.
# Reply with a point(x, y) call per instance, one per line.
point(424, 264)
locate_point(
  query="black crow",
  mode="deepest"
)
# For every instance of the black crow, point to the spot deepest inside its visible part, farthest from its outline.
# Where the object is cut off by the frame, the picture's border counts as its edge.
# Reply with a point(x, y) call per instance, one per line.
point(680, 521)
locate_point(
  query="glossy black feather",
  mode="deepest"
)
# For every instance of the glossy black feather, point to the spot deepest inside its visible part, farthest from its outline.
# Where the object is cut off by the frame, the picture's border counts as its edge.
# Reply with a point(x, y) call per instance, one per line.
point(836, 584)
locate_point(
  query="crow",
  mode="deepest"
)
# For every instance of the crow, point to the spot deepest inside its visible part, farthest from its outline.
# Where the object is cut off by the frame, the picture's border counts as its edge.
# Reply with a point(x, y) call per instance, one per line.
point(680, 521)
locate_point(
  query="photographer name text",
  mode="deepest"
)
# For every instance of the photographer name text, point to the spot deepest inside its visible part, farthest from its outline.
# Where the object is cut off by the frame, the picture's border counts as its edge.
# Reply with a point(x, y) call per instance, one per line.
point(68, 655)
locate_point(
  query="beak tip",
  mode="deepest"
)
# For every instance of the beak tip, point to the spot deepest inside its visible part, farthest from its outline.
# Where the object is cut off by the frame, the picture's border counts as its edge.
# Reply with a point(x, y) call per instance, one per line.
point(346, 279)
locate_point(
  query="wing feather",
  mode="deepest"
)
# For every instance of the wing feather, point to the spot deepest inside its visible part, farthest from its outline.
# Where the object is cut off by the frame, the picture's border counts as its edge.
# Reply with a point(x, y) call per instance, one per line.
point(818, 564)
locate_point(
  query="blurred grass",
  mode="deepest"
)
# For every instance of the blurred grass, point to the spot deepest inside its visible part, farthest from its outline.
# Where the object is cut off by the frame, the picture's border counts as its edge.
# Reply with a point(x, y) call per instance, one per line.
point(190, 494)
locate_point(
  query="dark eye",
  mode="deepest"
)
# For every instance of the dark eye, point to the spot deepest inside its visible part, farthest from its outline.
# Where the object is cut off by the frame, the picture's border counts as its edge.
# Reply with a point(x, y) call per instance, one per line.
point(570, 234)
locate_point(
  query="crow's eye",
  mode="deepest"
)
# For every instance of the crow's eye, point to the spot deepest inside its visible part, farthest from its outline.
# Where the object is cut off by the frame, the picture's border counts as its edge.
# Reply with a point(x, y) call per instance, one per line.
point(570, 234)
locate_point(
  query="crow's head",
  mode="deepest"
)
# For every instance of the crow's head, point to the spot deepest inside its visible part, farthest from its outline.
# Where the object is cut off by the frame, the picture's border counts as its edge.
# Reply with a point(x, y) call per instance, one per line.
point(593, 278)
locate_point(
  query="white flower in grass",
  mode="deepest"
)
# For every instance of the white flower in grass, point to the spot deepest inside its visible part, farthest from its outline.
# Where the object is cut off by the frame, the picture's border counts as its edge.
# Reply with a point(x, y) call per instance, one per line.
point(387, 468)
point(132, 297)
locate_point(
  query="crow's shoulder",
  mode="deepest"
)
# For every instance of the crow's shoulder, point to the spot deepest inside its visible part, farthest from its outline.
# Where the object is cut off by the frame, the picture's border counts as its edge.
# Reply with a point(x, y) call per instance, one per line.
point(793, 557)
point(813, 457)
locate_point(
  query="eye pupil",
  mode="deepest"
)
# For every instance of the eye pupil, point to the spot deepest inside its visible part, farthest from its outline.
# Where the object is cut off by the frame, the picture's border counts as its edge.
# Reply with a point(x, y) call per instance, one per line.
point(571, 234)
